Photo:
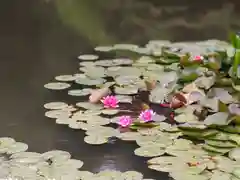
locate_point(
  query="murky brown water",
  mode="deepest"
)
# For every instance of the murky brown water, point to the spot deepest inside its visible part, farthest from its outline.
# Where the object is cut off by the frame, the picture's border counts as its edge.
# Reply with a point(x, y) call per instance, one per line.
point(41, 39)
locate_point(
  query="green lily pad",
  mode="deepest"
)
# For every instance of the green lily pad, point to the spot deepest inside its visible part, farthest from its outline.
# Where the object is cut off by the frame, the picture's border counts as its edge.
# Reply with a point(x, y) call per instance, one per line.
point(219, 118)
point(235, 138)
point(186, 176)
point(194, 134)
point(209, 133)
point(189, 74)
point(57, 85)
point(87, 105)
point(90, 81)
point(221, 144)
point(236, 87)
point(236, 172)
point(210, 148)
point(218, 175)
point(95, 140)
point(55, 105)
point(79, 92)
point(192, 126)
point(110, 111)
point(235, 154)
point(65, 78)
point(205, 82)
point(189, 117)
point(231, 129)
point(221, 136)
point(149, 151)
point(210, 103)
point(128, 90)
point(88, 57)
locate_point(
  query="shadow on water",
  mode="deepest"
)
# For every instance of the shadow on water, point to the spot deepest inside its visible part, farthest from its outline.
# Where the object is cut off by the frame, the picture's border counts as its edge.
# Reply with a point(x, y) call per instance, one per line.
point(41, 39)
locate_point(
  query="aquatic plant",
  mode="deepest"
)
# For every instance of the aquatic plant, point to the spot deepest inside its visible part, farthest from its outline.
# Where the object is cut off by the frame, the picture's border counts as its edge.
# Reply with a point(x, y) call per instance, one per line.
point(186, 92)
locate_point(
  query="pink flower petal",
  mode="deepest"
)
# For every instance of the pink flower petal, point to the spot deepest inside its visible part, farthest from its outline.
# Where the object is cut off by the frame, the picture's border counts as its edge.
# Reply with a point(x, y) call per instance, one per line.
point(147, 115)
point(125, 121)
point(110, 102)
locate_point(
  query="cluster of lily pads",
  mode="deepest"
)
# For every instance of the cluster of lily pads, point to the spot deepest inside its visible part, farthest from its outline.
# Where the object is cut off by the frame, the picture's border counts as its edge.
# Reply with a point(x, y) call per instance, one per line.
point(18, 164)
point(197, 81)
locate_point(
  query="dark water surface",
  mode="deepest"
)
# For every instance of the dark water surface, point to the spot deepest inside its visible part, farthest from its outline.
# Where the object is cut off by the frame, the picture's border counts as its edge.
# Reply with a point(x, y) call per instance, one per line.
point(40, 39)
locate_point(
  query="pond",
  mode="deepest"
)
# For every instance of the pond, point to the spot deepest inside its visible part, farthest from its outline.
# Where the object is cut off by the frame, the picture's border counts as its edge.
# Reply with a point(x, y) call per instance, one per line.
point(44, 39)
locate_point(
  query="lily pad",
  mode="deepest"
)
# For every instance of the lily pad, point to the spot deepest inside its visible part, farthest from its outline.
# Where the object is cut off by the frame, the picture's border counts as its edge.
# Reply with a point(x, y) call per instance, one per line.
point(221, 144)
point(110, 111)
point(236, 173)
point(55, 105)
point(87, 105)
point(205, 82)
point(186, 176)
point(216, 149)
point(182, 118)
point(219, 118)
point(65, 78)
point(88, 57)
point(158, 95)
point(132, 175)
point(129, 136)
point(124, 99)
point(79, 92)
point(103, 48)
point(149, 151)
point(57, 113)
point(95, 140)
point(57, 85)
point(223, 95)
point(235, 154)
point(210, 103)
point(126, 90)
point(193, 126)
point(90, 81)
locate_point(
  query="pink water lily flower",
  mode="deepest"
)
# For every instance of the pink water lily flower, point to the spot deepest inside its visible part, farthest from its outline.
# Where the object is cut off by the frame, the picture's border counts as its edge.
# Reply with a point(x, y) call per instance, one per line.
point(147, 115)
point(198, 58)
point(125, 121)
point(110, 102)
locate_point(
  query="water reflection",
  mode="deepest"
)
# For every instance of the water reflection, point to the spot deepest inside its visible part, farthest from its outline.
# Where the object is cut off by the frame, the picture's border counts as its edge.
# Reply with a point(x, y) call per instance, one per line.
point(139, 21)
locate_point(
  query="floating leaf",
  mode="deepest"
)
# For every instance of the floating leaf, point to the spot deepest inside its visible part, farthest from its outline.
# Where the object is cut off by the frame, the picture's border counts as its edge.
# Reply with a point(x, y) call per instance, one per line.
point(79, 92)
point(110, 111)
point(205, 82)
point(219, 118)
point(95, 140)
point(124, 99)
point(158, 95)
point(55, 105)
point(189, 74)
point(57, 85)
point(149, 151)
point(223, 95)
point(221, 144)
point(235, 154)
point(88, 57)
point(65, 78)
point(211, 103)
point(90, 81)
point(87, 105)
point(126, 90)
point(216, 149)
point(186, 118)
